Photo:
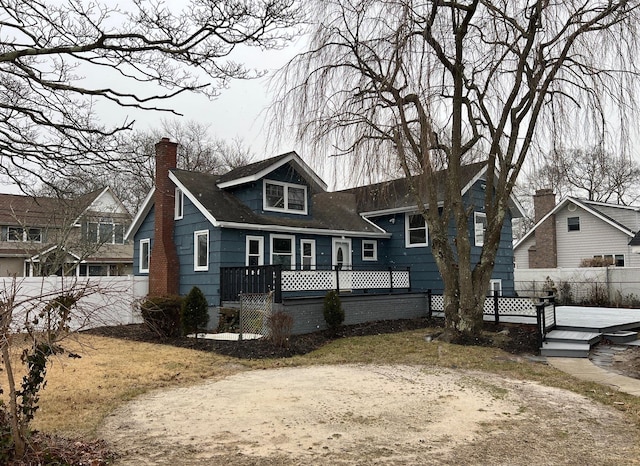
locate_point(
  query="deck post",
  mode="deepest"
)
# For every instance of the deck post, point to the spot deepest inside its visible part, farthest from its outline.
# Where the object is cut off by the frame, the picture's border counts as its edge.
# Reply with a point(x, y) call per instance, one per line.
point(391, 279)
point(496, 303)
point(337, 279)
point(429, 313)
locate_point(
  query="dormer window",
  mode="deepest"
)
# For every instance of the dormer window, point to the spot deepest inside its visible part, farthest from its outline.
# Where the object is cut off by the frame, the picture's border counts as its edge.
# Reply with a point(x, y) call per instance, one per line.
point(285, 197)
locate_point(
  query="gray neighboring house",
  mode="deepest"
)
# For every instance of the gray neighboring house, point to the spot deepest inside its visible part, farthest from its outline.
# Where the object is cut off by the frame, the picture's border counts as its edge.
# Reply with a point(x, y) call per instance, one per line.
point(83, 236)
point(574, 230)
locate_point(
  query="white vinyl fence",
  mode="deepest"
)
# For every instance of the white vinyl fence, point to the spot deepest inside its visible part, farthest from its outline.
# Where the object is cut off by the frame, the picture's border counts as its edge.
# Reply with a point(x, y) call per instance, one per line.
point(615, 285)
point(102, 301)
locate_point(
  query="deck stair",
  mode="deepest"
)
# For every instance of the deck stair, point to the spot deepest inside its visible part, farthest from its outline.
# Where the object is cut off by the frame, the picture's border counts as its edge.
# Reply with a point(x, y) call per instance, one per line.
point(621, 336)
point(569, 343)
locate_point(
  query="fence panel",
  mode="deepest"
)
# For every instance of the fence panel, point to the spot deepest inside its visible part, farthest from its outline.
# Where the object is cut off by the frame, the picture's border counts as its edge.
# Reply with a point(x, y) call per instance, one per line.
point(103, 300)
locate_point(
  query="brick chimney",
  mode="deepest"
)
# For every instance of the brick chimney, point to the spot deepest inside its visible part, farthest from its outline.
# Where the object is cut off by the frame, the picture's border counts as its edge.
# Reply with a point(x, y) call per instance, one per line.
point(544, 254)
point(164, 264)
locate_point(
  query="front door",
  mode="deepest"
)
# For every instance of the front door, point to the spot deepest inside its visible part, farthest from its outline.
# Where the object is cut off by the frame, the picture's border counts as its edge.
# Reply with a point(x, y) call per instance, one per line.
point(342, 260)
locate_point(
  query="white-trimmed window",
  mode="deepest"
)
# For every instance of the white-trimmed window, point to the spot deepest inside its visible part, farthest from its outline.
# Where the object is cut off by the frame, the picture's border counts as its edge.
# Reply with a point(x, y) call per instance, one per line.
point(255, 251)
point(369, 250)
point(201, 250)
point(145, 255)
point(308, 254)
point(612, 259)
point(33, 235)
point(479, 227)
point(179, 206)
point(284, 197)
point(573, 224)
point(283, 251)
point(105, 231)
point(495, 287)
point(416, 233)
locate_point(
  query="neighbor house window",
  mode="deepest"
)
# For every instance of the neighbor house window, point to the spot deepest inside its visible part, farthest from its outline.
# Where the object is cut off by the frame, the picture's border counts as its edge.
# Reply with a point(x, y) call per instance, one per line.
point(480, 227)
point(285, 197)
point(105, 232)
point(201, 250)
point(495, 287)
point(611, 259)
point(145, 254)
point(308, 254)
point(255, 250)
point(33, 235)
point(369, 250)
point(416, 233)
point(179, 206)
point(282, 251)
point(573, 224)
point(15, 233)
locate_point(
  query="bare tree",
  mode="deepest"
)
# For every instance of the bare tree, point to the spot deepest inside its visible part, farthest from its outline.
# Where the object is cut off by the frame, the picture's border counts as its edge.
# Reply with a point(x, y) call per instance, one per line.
point(132, 177)
point(594, 174)
point(146, 52)
point(439, 80)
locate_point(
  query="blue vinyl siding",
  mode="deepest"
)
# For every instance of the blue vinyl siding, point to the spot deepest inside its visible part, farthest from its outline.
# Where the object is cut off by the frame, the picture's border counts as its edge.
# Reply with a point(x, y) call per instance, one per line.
point(251, 193)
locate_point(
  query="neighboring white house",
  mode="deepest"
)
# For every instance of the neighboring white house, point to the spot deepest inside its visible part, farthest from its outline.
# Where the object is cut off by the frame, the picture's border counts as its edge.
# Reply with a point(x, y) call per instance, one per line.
point(576, 230)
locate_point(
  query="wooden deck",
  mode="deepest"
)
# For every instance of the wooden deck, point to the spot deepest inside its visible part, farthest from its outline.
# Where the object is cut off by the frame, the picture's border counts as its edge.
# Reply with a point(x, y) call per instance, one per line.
point(596, 319)
point(578, 328)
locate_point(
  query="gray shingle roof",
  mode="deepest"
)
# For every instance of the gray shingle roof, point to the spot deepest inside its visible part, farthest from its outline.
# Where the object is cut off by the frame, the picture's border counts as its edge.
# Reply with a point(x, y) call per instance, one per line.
point(328, 211)
point(395, 194)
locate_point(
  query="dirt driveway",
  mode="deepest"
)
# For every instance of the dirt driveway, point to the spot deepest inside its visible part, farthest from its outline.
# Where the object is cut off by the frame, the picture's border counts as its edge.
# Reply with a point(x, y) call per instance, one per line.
point(362, 414)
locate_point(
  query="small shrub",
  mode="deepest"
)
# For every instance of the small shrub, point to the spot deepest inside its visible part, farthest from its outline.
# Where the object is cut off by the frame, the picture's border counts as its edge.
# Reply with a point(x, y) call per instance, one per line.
point(596, 262)
point(195, 312)
point(332, 311)
point(161, 314)
point(228, 320)
point(280, 325)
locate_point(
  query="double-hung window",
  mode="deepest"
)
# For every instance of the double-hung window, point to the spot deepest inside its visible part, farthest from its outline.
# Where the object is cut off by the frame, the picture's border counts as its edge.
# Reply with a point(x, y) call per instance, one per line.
point(201, 250)
point(308, 254)
point(416, 232)
point(479, 227)
point(145, 255)
point(369, 250)
point(255, 250)
point(283, 251)
point(284, 197)
point(573, 224)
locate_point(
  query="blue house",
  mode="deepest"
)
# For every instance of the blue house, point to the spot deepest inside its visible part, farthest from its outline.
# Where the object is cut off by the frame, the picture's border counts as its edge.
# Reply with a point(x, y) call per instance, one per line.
point(273, 224)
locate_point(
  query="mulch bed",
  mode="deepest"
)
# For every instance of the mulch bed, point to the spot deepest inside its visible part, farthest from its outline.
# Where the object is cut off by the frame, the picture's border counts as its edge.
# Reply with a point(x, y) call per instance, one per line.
point(521, 339)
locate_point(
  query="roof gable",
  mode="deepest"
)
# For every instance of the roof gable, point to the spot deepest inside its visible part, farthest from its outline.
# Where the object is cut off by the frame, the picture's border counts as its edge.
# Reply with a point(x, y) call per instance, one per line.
point(589, 207)
point(258, 170)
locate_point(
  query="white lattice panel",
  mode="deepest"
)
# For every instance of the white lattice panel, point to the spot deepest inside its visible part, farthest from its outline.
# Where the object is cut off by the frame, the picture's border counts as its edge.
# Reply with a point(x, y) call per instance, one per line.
point(362, 280)
point(401, 279)
point(437, 303)
point(489, 307)
point(517, 306)
point(308, 280)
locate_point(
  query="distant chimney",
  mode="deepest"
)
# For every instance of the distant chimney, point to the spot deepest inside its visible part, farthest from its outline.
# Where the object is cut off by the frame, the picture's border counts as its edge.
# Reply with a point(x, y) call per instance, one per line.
point(544, 254)
point(164, 264)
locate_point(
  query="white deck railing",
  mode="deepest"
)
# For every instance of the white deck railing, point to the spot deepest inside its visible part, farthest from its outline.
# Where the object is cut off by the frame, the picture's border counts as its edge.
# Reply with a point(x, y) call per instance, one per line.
point(322, 280)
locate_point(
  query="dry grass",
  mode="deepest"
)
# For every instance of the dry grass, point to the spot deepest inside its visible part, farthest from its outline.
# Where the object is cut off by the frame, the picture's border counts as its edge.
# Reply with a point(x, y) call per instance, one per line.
point(81, 392)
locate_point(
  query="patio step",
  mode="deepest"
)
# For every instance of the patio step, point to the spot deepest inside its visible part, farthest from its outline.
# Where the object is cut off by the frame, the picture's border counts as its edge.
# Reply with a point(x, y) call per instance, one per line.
point(621, 336)
point(573, 336)
point(565, 350)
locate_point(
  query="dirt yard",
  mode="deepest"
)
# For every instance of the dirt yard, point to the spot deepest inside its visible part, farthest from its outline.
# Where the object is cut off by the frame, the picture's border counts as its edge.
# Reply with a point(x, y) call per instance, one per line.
point(361, 414)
